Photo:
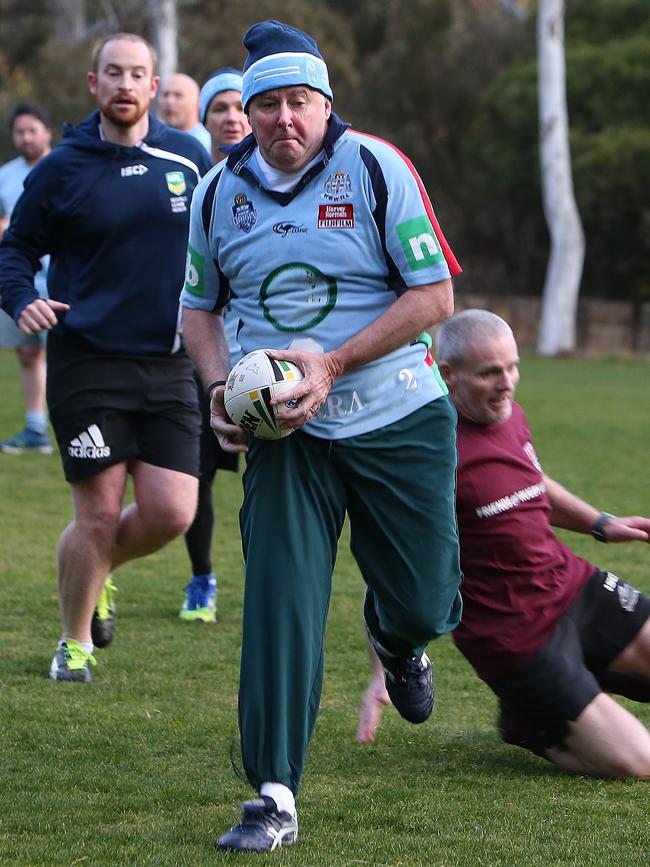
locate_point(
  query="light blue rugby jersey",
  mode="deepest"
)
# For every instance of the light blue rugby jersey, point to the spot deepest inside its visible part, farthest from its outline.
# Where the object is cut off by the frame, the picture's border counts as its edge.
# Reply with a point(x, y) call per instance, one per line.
point(322, 262)
point(12, 179)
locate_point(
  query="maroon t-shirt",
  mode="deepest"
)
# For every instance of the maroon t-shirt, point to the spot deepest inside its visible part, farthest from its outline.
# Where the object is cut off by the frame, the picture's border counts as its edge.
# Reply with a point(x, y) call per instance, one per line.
point(519, 578)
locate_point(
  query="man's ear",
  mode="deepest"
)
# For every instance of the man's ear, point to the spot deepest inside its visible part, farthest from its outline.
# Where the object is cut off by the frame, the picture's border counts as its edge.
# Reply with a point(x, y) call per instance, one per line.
point(445, 371)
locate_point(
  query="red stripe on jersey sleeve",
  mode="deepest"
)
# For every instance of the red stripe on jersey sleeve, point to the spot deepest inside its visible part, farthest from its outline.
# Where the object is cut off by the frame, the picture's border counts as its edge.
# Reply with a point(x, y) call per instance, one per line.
point(452, 262)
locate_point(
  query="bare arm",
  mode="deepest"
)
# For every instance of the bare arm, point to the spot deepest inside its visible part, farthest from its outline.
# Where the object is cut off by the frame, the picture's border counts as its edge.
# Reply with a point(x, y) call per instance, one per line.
point(205, 340)
point(571, 513)
point(416, 310)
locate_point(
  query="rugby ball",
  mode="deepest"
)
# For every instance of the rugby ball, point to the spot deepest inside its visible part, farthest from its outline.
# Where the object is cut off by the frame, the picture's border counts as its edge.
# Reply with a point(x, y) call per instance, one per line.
point(251, 384)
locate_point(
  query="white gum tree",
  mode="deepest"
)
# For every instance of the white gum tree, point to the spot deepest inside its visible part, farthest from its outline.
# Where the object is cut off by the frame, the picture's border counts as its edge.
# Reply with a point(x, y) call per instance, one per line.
point(164, 29)
point(557, 331)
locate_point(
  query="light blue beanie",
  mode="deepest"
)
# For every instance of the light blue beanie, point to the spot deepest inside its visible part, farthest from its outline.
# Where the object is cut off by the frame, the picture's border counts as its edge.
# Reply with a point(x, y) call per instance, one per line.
point(227, 78)
point(281, 56)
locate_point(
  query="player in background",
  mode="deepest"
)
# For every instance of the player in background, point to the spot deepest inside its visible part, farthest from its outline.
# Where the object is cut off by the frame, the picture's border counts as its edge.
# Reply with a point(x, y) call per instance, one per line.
point(222, 112)
point(31, 133)
point(178, 106)
point(327, 248)
point(111, 206)
point(548, 631)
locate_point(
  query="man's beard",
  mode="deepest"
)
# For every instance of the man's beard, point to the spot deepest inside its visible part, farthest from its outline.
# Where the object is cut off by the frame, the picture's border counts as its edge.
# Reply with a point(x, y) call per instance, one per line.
point(122, 119)
point(32, 154)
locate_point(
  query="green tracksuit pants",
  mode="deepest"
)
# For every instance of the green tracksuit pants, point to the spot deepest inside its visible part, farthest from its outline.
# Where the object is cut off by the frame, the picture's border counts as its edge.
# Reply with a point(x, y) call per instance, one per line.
point(397, 484)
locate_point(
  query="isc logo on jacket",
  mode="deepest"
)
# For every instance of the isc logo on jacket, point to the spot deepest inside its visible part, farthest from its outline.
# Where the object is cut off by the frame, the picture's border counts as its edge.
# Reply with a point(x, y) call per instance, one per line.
point(132, 171)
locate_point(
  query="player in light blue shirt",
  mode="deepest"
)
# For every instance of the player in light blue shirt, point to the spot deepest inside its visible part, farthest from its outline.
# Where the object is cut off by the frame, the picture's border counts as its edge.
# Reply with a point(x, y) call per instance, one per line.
point(220, 109)
point(31, 132)
point(325, 245)
point(179, 107)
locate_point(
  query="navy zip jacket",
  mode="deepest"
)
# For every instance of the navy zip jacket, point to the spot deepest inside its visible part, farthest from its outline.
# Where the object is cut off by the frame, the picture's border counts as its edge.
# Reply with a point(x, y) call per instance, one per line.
point(115, 221)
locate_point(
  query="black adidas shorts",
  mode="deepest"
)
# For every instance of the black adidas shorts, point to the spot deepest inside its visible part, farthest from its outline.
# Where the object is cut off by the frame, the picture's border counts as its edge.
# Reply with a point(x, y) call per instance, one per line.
point(561, 679)
point(107, 409)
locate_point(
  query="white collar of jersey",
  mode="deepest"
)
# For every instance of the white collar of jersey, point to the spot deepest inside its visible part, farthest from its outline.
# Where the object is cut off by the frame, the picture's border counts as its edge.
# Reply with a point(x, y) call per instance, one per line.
point(277, 180)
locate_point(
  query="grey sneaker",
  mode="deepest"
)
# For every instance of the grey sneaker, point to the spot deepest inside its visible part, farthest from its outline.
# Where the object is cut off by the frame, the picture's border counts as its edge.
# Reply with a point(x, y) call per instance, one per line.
point(262, 828)
point(27, 441)
point(72, 663)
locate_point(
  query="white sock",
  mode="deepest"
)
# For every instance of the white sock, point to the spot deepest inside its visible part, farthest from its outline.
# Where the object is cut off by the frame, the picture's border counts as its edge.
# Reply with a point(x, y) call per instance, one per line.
point(282, 796)
point(88, 646)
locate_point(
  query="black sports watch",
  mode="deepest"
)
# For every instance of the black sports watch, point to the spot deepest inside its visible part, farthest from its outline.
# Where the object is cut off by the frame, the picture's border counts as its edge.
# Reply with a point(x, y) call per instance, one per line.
point(599, 526)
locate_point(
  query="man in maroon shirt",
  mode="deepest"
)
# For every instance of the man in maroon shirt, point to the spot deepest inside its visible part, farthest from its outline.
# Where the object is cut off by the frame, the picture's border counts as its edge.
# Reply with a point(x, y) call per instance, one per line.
point(546, 630)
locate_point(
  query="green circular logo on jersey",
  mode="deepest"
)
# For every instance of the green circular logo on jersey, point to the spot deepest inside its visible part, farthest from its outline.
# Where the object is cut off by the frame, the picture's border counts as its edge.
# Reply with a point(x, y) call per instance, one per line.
point(297, 296)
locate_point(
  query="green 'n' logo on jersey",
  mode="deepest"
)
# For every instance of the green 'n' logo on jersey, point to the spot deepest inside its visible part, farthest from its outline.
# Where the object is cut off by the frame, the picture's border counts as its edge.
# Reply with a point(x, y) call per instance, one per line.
point(195, 273)
point(419, 242)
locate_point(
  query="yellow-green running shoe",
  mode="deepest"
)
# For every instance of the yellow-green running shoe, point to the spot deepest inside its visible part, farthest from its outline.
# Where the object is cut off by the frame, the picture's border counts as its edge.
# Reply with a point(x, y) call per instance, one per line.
point(71, 662)
point(102, 627)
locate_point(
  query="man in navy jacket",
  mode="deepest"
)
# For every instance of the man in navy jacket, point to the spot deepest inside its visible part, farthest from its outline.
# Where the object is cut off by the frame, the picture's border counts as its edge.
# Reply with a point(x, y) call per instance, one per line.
point(111, 207)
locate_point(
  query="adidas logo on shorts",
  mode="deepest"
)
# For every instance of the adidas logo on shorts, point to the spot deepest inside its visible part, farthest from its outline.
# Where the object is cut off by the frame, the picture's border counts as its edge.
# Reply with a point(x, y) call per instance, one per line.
point(89, 444)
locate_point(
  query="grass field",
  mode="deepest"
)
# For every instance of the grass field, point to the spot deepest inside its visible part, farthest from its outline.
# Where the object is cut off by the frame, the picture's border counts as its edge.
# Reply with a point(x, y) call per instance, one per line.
point(140, 767)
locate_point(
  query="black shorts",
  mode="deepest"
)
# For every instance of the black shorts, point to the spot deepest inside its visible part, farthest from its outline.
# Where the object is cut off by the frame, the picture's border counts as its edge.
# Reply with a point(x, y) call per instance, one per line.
point(560, 680)
point(213, 457)
point(107, 409)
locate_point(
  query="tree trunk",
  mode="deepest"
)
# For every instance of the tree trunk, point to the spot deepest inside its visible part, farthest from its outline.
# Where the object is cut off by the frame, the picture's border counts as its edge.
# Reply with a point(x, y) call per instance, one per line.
point(164, 29)
point(560, 302)
point(69, 21)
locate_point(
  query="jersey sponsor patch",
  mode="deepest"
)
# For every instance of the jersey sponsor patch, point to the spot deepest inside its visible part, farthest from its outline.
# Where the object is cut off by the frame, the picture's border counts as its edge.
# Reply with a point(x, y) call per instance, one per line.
point(178, 204)
point(195, 273)
point(419, 242)
point(505, 504)
point(336, 216)
point(244, 215)
point(529, 451)
point(176, 183)
point(285, 229)
point(341, 405)
point(337, 187)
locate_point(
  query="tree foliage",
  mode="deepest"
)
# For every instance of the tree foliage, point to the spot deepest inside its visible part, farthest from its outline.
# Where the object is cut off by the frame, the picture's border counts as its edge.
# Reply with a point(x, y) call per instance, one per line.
point(451, 82)
point(610, 142)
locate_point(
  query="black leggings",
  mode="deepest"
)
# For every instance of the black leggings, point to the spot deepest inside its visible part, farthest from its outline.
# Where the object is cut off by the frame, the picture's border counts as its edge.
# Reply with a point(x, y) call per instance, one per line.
point(198, 539)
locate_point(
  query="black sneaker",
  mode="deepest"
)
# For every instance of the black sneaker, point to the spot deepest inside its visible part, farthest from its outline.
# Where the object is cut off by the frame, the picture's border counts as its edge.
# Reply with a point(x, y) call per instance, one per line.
point(102, 626)
point(262, 828)
point(409, 682)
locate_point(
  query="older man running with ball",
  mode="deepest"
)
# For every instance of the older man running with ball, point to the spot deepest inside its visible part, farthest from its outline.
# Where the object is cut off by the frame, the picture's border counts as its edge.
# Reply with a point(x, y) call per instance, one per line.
point(325, 244)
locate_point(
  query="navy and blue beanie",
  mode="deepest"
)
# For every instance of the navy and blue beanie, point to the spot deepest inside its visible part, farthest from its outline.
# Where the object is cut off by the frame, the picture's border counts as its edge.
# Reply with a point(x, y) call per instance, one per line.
point(281, 56)
point(227, 78)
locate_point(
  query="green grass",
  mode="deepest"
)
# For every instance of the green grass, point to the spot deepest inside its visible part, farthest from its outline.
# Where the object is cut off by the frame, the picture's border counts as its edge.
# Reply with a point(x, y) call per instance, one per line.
point(140, 766)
